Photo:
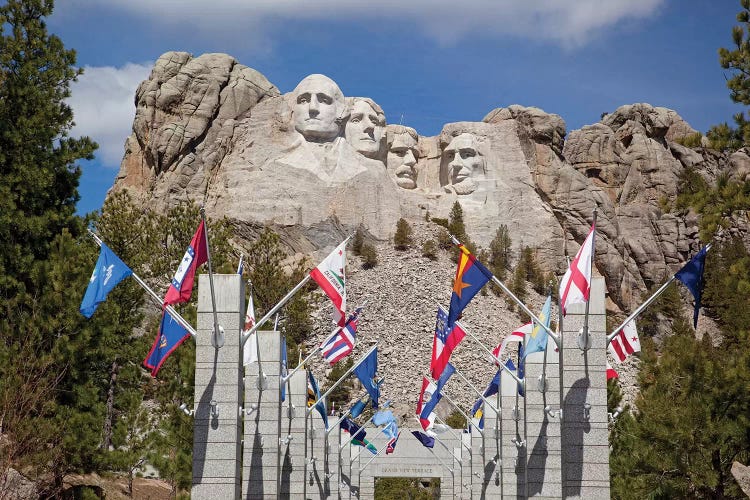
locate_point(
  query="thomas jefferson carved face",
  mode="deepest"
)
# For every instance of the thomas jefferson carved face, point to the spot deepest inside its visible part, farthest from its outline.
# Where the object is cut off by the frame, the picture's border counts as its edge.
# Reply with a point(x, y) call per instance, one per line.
point(365, 127)
point(402, 156)
point(318, 108)
point(464, 163)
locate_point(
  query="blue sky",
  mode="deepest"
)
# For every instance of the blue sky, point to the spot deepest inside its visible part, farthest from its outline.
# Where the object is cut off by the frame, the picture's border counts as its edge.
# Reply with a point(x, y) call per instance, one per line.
point(429, 61)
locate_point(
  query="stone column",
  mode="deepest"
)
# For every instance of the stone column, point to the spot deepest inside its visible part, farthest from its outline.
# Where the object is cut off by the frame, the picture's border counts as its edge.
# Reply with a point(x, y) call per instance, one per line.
point(584, 426)
point(513, 439)
point(261, 445)
point(543, 431)
point(216, 439)
point(292, 446)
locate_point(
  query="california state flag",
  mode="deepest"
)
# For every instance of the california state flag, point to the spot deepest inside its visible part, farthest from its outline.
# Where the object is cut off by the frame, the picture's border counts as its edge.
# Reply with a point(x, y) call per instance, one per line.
point(576, 284)
point(330, 276)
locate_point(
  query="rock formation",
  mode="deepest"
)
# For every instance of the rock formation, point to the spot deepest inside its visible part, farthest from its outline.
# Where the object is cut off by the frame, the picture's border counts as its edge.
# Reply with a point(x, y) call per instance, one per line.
point(315, 164)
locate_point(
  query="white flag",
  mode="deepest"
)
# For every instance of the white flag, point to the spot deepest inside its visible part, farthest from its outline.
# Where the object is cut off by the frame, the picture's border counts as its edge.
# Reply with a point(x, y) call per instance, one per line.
point(330, 276)
point(250, 350)
point(625, 343)
point(576, 284)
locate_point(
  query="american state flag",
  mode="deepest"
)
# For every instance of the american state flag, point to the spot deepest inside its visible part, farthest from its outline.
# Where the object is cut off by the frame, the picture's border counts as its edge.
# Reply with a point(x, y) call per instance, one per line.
point(341, 342)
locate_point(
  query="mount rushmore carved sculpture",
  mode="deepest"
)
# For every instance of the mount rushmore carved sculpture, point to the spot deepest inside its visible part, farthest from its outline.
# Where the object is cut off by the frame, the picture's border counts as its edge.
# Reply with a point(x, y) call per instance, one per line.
point(313, 163)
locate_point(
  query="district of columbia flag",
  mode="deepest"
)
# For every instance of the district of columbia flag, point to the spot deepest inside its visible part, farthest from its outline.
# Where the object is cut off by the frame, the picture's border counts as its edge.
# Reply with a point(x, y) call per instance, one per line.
point(428, 389)
point(515, 336)
point(250, 349)
point(340, 343)
point(329, 275)
point(171, 334)
point(447, 337)
point(108, 272)
point(196, 254)
point(691, 275)
point(576, 283)
point(471, 276)
point(625, 343)
point(537, 339)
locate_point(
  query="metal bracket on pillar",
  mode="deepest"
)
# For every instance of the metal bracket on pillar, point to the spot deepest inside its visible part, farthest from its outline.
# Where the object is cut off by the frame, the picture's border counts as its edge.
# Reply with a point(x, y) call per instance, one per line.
point(291, 412)
point(586, 411)
point(552, 413)
point(262, 382)
point(584, 341)
point(541, 384)
point(286, 440)
point(515, 414)
point(213, 406)
point(613, 416)
point(217, 340)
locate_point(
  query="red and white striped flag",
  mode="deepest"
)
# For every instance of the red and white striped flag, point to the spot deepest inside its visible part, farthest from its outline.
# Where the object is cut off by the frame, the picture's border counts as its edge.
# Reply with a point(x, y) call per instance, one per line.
point(515, 336)
point(611, 373)
point(576, 284)
point(625, 343)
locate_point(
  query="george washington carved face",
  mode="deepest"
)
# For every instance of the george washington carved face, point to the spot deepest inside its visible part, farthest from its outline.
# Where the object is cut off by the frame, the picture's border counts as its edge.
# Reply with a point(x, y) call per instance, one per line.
point(318, 108)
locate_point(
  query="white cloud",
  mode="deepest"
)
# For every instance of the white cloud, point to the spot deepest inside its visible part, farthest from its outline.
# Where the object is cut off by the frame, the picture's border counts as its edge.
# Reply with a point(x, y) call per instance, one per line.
point(569, 23)
point(103, 107)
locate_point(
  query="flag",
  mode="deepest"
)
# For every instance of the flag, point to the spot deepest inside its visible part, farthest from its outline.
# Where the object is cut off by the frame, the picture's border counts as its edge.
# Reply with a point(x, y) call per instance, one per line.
point(521, 370)
point(108, 272)
point(471, 276)
point(611, 373)
point(428, 389)
point(383, 417)
point(390, 446)
point(491, 390)
point(313, 395)
point(365, 372)
point(576, 283)
point(537, 340)
point(691, 275)
point(625, 343)
point(341, 342)
point(446, 339)
point(430, 405)
point(250, 349)
point(283, 368)
point(171, 335)
point(196, 254)
point(330, 276)
point(357, 408)
point(515, 336)
point(427, 441)
point(348, 425)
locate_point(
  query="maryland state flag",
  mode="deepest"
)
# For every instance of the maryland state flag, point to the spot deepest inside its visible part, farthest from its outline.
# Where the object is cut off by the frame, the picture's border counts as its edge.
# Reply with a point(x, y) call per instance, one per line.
point(471, 276)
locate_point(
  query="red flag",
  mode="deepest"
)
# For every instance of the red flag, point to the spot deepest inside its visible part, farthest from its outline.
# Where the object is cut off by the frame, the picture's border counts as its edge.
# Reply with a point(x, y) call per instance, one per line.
point(429, 388)
point(625, 343)
point(611, 373)
point(576, 284)
point(330, 276)
point(446, 338)
point(182, 284)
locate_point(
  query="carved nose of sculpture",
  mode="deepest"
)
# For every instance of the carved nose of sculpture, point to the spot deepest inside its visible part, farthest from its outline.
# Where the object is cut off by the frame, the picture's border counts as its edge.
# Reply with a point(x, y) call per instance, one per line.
point(313, 108)
point(409, 158)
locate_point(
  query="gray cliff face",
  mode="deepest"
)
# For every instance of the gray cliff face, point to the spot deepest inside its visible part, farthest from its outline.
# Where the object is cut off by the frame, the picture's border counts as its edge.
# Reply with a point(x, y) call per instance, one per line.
point(315, 164)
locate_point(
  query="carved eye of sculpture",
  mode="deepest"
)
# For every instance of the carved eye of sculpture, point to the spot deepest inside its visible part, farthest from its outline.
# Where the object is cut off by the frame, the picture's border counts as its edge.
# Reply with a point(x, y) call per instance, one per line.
point(399, 151)
point(468, 153)
point(324, 99)
point(303, 98)
point(356, 118)
point(375, 121)
point(449, 155)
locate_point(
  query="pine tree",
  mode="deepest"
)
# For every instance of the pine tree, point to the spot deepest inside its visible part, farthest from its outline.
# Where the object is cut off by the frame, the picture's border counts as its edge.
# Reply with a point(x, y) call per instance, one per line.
point(500, 248)
point(402, 239)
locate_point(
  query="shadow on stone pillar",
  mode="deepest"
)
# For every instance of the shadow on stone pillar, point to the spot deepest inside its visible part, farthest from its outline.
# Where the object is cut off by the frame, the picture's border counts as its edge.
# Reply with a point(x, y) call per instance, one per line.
point(574, 436)
point(538, 461)
point(200, 438)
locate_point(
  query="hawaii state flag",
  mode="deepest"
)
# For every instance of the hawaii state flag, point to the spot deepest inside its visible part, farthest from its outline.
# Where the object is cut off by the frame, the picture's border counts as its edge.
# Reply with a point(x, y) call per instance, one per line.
point(341, 342)
point(196, 254)
point(329, 275)
point(171, 335)
point(447, 337)
point(576, 283)
point(471, 276)
point(625, 343)
point(108, 272)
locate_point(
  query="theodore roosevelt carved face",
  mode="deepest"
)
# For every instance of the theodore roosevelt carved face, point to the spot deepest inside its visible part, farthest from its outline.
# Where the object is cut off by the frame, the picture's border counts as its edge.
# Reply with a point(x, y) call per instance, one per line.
point(365, 126)
point(463, 163)
point(402, 155)
point(318, 108)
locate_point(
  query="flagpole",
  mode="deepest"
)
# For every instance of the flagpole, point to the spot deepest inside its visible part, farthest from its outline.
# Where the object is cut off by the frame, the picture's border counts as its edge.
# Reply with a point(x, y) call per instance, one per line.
point(301, 364)
point(171, 310)
point(261, 373)
point(348, 372)
point(523, 307)
point(497, 360)
point(481, 395)
point(441, 421)
point(349, 411)
point(640, 309)
point(468, 419)
point(217, 339)
point(584, 342)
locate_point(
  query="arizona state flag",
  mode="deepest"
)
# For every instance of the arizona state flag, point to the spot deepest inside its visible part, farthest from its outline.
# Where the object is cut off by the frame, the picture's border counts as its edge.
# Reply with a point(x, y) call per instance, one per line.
point(471, 276)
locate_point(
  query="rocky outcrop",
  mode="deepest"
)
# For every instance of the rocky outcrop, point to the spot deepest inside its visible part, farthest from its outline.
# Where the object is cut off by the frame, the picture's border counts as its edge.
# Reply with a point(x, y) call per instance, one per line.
point(314, 164)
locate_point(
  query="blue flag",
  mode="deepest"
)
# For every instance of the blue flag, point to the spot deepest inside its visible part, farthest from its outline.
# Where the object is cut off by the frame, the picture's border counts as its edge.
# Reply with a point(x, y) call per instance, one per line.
point(108, 272)
point(430, 405)
point(491, 390)
point(171, 335)
point(313, 394)
point(691, 275)
point(283, 368)
point(357, 408)
point(365, 372)
point(427, 441)
point(537, 339)
point(471, 276)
